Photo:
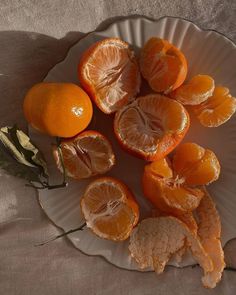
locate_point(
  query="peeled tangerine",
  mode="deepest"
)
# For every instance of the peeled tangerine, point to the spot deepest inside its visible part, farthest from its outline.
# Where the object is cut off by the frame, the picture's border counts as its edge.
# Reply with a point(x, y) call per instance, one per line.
point(109, 72)
point(172, 187)
point(151, 126)
point(217, 109)
point(88, 154)
point(196, 91)
point(163, 65)
point(110, 209)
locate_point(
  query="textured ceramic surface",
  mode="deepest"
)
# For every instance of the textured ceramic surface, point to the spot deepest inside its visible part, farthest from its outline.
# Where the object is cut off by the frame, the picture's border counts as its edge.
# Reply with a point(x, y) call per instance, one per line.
point(207, 52)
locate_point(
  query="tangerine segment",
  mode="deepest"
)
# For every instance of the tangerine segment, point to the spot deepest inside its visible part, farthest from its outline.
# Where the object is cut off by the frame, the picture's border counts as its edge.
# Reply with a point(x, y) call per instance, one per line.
point(109, 209)
point(167, 193)
point(210, 232)
point(196, 91)
point(155, 240)
point(109, 72)
point(58, 109)
point(196, 165)
point(217, 109)
point(161, 168)
point(89, 153)
point(163, 65)
point(151, 126)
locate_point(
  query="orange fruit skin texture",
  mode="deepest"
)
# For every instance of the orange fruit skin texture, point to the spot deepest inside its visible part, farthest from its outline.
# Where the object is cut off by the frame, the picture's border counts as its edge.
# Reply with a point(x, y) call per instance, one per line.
point(186, 218)
point(103, 66)
point(155, 240)
point(217, 109)
point(58, 109)
point(163, 114)
point(163, 65)
point(85, 155)
point(174, 187)
point(118, 225)
point(209, 232)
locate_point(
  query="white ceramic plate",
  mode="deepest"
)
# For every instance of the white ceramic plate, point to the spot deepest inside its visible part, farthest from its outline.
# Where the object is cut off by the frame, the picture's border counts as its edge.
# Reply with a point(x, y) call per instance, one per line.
point(207, 52)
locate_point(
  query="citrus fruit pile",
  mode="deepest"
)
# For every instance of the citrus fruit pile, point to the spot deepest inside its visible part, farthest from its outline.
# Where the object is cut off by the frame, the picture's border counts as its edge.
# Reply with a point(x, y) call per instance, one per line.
point(150, 127)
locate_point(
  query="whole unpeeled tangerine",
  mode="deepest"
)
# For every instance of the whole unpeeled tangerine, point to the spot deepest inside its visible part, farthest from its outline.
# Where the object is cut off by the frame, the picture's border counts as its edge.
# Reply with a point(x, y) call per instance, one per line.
point(58, 109)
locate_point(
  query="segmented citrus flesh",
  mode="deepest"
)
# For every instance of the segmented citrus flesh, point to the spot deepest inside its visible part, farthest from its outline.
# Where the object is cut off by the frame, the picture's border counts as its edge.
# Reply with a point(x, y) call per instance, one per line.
point(167, 192)
point(109, 209)
point(217, 109)
point(196, 91)
point(109, 72)
point(151, 126)
point(163, 65)
point(196, 165)
point(86, 155)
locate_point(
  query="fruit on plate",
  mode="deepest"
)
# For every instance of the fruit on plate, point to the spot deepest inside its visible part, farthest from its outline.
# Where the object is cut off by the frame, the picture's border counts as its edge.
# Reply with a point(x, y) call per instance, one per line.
point(163, 65)
point(109, 72)
point(88, 154)
point(58, 109)
point(151, 126)
point(155, 240)
point(173, 187)
point(196, 91)
point(168, 193)
point(110, 209)
point(209, 231)
point(217, 109)
point(195, 165)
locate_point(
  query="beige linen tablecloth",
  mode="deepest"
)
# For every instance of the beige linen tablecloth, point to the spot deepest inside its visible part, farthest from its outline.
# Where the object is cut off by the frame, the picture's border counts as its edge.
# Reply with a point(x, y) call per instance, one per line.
point(34, 36)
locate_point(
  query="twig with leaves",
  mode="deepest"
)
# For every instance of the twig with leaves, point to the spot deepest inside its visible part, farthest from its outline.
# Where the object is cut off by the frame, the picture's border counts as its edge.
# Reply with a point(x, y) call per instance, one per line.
point(21, 158)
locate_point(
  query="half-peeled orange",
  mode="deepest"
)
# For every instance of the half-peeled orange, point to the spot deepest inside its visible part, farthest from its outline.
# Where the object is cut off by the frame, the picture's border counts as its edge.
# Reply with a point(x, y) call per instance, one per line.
point(110, 209)
point(166, 191)
point(89, 153)
point(173, 187)
point(109, 72)
point(151, 126)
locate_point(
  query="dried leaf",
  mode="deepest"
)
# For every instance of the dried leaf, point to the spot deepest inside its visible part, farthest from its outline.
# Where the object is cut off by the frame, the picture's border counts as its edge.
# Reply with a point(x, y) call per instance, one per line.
point(20, 157)
point(15, 168)
point(22, 149)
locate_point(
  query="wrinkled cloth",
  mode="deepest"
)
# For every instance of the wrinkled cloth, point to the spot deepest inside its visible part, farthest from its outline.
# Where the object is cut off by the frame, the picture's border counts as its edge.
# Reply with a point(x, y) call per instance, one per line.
point(34, 36)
